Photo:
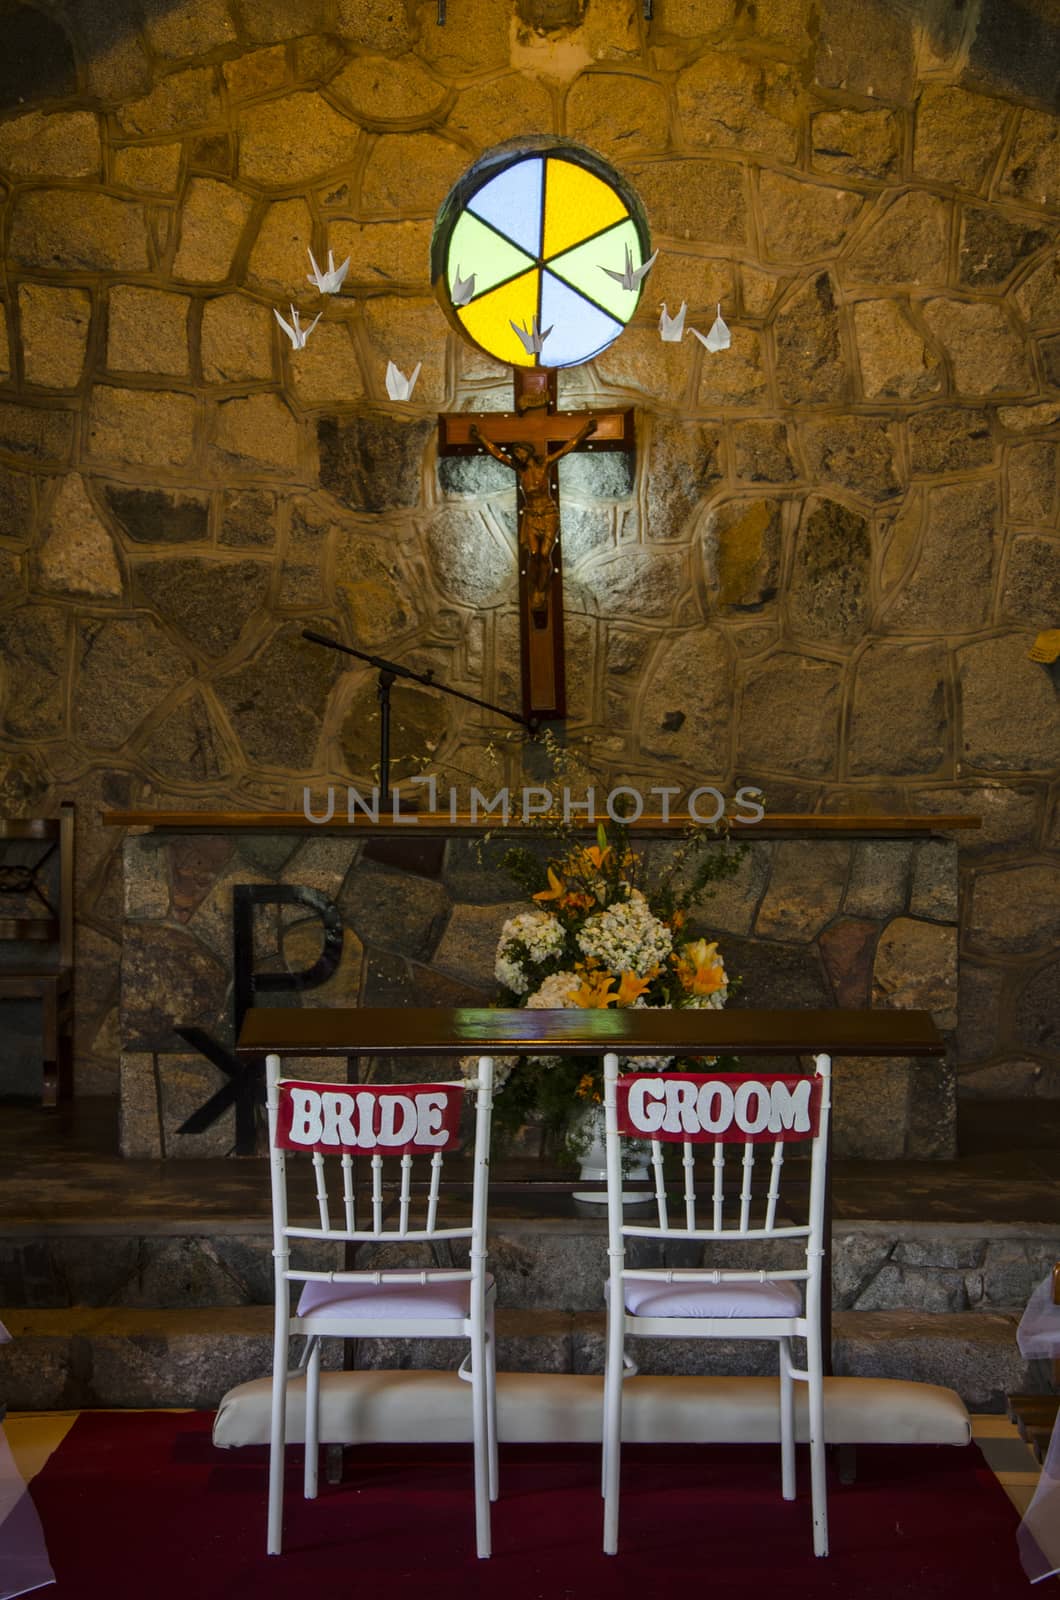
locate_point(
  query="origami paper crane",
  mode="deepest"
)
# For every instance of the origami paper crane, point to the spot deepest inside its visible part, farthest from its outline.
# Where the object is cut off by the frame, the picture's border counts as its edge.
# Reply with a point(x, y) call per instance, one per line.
point(398, 387)
point(719, 337)
point(462, 290)
point(329, 282)
point(294, 330)
point(532, 338)
point(672, 329)
point(632, 277)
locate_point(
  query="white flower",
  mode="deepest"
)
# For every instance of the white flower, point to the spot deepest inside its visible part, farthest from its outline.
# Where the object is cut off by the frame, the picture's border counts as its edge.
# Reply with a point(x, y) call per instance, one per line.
point(555, 993)
point(627, 937)
point(539, 935)
point(503, 1067)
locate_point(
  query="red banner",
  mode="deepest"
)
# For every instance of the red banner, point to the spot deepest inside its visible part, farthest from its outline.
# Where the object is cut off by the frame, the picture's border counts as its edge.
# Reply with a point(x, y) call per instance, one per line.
point(693, 1108)
point(369, 1119)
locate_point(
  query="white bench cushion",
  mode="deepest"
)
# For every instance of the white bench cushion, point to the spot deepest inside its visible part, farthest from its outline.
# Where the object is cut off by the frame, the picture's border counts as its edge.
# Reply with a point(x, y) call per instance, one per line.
point(392, 1300)
point(652, 1298)
point(533, 1408)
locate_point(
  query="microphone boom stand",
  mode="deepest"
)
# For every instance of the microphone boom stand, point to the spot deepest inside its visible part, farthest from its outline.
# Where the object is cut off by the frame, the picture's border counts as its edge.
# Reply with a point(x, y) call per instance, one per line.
point(388, 672)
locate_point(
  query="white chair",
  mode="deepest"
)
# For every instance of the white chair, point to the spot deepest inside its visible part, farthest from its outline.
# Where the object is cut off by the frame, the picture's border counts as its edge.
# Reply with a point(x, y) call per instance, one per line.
point(338, 1125)
point(779, 1302)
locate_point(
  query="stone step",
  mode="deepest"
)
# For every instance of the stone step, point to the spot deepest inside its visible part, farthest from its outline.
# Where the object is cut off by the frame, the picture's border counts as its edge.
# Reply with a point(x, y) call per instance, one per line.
point(539, 1264)
point(62, 1359)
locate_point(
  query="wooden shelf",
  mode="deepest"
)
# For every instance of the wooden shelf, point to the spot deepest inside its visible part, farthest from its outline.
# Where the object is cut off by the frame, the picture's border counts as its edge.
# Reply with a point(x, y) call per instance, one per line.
point(441, 824)
point(437, 1030)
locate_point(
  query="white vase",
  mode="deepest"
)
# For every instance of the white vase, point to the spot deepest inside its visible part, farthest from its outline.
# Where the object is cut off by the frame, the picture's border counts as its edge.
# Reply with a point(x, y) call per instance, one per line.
point(593, 1168)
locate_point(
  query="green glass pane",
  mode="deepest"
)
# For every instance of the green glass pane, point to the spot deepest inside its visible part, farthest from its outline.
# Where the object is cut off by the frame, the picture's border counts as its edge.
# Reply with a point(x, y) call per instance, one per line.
point(583, 267)
point(476, 248)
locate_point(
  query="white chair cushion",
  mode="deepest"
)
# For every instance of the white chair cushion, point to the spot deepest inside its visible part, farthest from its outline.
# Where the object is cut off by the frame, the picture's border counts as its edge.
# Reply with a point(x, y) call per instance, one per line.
point(398, 1300)
point(653, 1298)
point(411, 1407)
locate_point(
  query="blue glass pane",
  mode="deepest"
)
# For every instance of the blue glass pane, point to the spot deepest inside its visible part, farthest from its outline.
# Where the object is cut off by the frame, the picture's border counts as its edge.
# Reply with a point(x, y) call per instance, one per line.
point(579, 330)
point(511, 203)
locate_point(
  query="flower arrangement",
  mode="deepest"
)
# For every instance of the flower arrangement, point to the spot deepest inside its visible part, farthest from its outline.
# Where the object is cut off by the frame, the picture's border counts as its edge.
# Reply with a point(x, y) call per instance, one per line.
point(605, 933)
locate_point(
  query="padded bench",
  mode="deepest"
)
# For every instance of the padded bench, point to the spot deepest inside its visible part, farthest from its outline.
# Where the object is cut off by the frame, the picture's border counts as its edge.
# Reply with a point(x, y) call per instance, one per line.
point(410, 1407)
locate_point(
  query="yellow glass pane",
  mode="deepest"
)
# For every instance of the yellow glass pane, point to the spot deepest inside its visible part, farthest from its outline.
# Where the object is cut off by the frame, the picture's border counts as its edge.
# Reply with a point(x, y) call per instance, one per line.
point(577, 204)
point(488, 319)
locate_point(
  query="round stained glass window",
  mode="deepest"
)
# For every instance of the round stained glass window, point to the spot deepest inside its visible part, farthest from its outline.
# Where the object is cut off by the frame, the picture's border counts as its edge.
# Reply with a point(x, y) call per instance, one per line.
point(536, 254)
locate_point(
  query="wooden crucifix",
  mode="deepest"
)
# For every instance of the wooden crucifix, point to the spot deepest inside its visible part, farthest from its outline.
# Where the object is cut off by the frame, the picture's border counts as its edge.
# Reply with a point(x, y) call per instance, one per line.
point(531, 440)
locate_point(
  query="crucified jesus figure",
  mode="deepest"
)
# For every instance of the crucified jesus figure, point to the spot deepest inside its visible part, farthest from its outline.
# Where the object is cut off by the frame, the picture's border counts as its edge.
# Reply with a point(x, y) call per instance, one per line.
point(538, 508)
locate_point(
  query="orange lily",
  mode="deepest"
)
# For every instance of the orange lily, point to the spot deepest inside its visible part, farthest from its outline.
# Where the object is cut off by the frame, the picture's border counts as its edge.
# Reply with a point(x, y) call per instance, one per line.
point(631, 988)
point(594, 994)
point(587, 1089)
point(556, 888)
point(700, 968)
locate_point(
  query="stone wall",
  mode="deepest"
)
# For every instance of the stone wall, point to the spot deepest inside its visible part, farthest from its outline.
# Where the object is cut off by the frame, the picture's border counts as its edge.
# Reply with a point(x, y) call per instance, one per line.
point(804, 923)
point(822, 571)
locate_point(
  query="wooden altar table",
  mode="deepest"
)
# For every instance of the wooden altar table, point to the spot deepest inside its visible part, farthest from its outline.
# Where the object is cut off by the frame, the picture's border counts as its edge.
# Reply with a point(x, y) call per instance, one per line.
point(417, 1031)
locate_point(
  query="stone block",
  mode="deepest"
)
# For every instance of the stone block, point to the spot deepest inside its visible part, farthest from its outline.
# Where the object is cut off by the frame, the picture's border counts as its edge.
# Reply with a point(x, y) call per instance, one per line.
point(39, 62)
point(972, 1352)
point(616, 113)
point(407, 172)
point(247, 518)
point(950, 439)
point(1012, 1269)
point(191, 29)
point(803, 221)
point(776, 974)
point(951, 582)
point(987, 354)
point(68, 230)
point(683, 465)
point(993, 245)
point(384, 253)
point(737, 380)
point(895, 362)
point(740, 547)
point(33, 649)
point(1037, 1010)
point(1032, 173)
point(762, 452)
point(236, 340)
point(276, 702)
point(726, 100)
point(256, 72)
point(677, 723)
point(469, 943)
point(694, 199)
point(805, 889)
point(179, 103)
point(898, 1287)
point(211, 225)
point(1032, 581)
point(54, 324)
point(159, 516)
point(847, 950)
point(859, 144)
point(208, 602)
point(147, 330)
point(256, 431)
point(472, 560)
point(879, 878)
point(396, 911)
point(957, 135)
point(747, 1358)
point(375, 24)
point(871, 1100)
point(385, 90)
point(372, 461)
point(907, 242)
point(169, 979)
point(146, 875)
point(809, 353)
point(789, 716)
point(1030, 476)
point(142, 427)
point(641, 583)
point(77, 555)
point(934, 891)
point(1014, 910)
point(916, 966)
point(56, 145)
point(124, 667)
point(900, 717)
point(639, 361)
point(1038, 295)
point(869, 53)
point(279, 259)
point(828, 594)
point(1009, 716)
point(407, 330)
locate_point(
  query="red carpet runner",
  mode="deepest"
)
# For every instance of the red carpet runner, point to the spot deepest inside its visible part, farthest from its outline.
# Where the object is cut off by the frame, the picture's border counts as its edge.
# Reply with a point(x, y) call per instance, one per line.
point(142, 1507)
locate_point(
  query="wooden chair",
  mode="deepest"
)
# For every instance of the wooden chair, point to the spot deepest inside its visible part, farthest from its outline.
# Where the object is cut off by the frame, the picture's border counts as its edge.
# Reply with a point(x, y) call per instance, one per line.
point(769, 1301)
point(338, 1125)
point(41, 892)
